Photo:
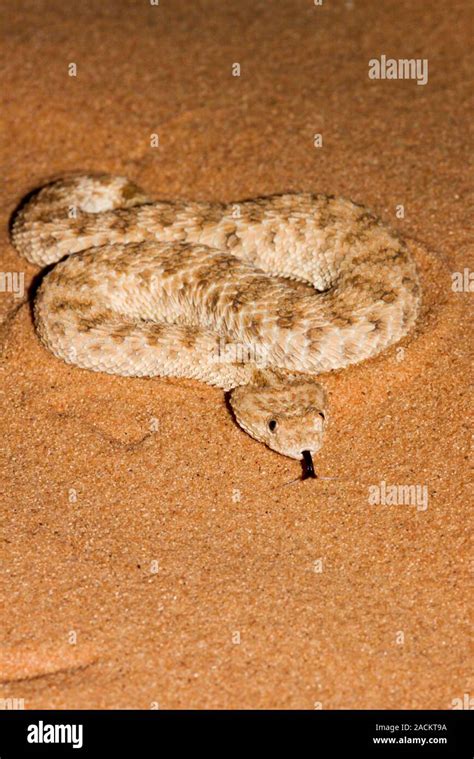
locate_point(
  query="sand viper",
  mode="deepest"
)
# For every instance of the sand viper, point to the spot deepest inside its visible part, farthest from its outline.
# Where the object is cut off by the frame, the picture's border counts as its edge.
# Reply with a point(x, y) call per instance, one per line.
point(256, 297)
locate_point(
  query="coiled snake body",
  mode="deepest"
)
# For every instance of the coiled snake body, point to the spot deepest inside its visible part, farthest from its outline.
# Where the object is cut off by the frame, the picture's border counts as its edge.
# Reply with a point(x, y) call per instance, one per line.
point(255, 297)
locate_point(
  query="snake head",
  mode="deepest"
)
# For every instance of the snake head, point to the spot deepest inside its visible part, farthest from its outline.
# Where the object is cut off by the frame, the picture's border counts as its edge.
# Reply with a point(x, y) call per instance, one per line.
point(289, 416)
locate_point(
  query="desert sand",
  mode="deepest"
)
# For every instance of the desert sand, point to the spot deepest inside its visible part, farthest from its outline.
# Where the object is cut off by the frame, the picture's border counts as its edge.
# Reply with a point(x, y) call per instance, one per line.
point(153, 553)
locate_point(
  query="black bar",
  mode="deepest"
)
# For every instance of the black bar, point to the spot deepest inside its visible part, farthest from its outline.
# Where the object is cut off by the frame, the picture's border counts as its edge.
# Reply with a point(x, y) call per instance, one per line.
point(220, 733)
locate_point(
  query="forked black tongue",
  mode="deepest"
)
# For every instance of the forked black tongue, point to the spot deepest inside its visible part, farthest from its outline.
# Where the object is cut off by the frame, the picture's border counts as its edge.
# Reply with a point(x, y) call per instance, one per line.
point(308, 468)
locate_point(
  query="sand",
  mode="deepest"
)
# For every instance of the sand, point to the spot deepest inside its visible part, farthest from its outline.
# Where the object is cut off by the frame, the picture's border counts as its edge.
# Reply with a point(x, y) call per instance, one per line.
point(153, 553)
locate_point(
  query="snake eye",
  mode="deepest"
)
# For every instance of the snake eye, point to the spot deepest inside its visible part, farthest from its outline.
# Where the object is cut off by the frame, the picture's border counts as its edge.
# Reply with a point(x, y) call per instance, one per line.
point(321, 415)
point(272, 425)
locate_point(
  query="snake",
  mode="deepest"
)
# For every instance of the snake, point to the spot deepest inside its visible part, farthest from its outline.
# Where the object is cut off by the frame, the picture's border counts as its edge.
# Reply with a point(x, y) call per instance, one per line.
point(257, 297)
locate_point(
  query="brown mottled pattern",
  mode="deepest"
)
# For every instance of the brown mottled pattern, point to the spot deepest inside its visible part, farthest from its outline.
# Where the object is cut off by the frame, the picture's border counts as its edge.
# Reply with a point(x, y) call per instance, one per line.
point(258, 296)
